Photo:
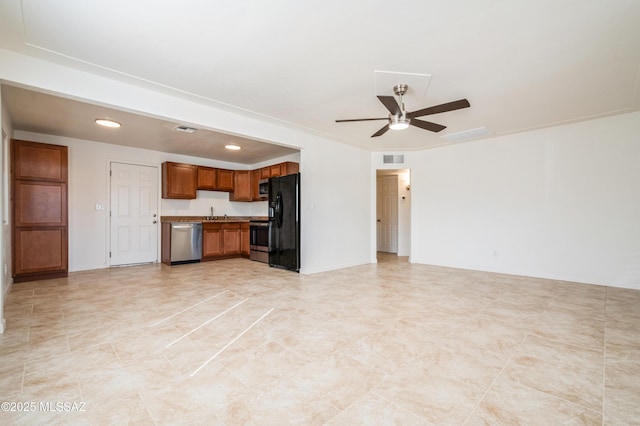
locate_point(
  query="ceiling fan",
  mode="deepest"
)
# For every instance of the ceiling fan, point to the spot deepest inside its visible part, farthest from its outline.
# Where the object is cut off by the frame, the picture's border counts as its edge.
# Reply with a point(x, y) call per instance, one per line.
point(400, 119)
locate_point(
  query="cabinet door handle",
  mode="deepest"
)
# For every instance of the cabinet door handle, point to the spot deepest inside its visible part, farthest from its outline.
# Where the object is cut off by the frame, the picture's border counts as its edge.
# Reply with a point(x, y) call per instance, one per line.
point(155, 221)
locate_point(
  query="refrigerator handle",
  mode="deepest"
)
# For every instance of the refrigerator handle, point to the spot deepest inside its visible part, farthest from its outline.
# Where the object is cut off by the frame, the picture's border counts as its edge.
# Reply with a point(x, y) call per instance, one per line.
point(279, 212)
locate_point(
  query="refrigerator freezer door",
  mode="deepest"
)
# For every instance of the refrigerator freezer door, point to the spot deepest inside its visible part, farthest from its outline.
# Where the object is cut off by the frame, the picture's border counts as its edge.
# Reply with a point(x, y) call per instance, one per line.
point(284, 213)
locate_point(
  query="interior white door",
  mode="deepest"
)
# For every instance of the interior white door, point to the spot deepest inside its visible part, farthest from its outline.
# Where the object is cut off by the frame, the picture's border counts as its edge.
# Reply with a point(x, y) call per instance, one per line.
point(134, 214)
point(387, 212)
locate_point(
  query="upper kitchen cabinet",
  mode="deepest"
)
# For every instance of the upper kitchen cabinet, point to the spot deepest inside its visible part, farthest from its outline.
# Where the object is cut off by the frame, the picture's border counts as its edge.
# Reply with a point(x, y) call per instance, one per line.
point(289, 168)
point(207, 178)
point(179, 180)
point(275, 170)
point(242, 190)
point(281, 169)
point(213, 179)
point(39, 211)
point(225, 180)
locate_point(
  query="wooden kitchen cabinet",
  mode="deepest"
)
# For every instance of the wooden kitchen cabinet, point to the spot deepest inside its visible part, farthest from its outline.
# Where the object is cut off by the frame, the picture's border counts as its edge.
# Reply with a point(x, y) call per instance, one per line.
point(207, 178)
point(289, 168)
point(225, 180)
point(231, 239)
point(255, 181)
point(223, 240)
point(283, 169)
point(179, 181)
point(242, 190)
point(244, 239)
point(39, 211)
point(275, 170)
point(211, 240)
point(265, 172)
point(213, 179)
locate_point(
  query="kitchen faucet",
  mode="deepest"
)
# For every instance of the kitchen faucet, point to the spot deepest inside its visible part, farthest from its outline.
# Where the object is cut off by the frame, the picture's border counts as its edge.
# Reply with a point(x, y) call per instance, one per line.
point(211, 217)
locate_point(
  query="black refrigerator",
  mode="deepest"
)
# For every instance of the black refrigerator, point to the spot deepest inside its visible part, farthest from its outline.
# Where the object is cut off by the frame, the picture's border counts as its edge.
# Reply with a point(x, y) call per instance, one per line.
point(284, 222)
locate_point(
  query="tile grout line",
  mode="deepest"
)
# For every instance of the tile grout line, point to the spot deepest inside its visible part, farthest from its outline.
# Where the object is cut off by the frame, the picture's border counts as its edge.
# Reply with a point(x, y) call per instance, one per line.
point(493, 382)
point(186, 309)
point(205, 323)
point(231, 342)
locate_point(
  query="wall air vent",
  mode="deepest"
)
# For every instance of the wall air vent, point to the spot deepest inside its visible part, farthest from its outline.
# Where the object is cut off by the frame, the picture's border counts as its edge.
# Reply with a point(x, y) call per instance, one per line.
point(393, 159)
point(185, 129)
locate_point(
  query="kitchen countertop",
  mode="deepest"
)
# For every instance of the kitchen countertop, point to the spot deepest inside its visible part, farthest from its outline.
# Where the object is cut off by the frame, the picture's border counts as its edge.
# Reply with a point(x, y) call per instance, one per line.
point(205, 219)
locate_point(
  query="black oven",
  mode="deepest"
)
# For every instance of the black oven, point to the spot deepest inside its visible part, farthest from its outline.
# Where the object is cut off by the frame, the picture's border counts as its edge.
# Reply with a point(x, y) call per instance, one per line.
point(259, 240)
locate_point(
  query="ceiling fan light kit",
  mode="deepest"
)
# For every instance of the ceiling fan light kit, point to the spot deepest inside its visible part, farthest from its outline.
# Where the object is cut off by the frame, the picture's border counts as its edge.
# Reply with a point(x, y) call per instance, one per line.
point(399, 123)
point(399, 118)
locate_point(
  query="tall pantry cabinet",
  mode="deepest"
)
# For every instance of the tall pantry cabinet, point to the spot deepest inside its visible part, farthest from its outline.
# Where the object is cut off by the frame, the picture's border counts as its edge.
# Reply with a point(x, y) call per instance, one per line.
point(39, 210)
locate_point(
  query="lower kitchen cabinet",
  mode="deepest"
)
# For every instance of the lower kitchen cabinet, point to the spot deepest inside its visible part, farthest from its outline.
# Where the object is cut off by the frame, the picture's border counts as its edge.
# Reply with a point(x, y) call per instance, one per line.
point(244, 239)
point(231, 239)
point(222, 240)
point(211, 240)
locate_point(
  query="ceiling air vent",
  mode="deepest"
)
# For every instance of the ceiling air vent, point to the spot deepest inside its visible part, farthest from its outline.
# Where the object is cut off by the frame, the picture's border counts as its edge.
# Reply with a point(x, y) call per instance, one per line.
point(393, 159)
point(185, 129)
point(468, 134)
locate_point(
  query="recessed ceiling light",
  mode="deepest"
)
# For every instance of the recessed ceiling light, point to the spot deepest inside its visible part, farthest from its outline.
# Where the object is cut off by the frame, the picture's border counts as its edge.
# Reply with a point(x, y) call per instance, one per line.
point(107, 123)
point(232, 147)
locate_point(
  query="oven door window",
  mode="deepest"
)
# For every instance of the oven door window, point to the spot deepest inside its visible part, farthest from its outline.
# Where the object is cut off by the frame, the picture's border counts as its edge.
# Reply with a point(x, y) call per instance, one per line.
point(260, 236)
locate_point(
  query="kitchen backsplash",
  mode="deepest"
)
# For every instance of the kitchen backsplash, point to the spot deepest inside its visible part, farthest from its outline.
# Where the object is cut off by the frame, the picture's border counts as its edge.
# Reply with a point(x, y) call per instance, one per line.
point(201, 206)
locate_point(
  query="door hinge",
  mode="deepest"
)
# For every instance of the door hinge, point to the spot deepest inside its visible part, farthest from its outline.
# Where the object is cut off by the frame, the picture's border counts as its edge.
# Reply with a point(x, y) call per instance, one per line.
point(109, 254)
point(110, 172)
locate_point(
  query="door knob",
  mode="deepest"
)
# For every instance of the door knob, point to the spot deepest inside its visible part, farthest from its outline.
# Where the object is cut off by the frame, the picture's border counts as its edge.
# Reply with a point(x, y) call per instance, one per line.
point(155, 221)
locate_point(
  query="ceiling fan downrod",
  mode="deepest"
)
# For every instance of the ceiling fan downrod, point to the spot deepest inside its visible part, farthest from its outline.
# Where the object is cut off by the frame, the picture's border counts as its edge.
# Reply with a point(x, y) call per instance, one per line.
point(400, 121)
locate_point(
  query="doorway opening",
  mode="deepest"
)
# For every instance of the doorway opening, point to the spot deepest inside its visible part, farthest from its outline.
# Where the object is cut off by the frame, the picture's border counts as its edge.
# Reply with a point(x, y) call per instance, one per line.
point(393, 215)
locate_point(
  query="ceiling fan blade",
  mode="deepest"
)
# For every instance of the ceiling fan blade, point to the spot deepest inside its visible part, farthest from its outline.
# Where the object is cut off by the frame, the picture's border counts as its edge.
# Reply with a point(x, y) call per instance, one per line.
point(449, 106)
point(427, 125)
point(381, 132)
point(361, 119)
point(390, 103)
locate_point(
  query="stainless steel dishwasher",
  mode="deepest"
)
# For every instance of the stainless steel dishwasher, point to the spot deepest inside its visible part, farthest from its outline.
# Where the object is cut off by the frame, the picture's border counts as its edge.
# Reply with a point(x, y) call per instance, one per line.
point(186, 242)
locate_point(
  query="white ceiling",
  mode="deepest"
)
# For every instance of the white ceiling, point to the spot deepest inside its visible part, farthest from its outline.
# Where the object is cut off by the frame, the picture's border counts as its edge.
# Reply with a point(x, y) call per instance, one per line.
point(521, 64)
point(39, 112)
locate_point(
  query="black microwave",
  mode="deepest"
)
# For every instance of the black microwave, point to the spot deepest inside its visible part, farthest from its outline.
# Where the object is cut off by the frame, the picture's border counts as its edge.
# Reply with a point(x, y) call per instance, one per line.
point(263, 189)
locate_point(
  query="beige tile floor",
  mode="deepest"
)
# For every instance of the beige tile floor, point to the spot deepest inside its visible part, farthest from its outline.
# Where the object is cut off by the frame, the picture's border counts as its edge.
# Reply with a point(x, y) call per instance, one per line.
point(236, 342)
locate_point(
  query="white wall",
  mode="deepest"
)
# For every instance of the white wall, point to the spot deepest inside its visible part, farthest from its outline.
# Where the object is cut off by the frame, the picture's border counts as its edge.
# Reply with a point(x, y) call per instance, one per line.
point(335, 180)
point(404, 213)
point(335, 199)
point(560, 202)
